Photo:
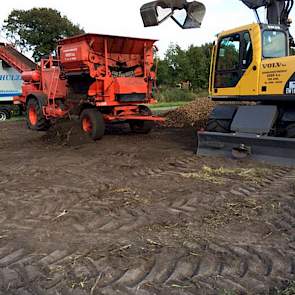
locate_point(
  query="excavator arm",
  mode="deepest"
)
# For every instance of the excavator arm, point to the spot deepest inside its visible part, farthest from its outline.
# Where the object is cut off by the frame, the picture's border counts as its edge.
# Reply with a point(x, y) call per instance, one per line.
point(278, 11)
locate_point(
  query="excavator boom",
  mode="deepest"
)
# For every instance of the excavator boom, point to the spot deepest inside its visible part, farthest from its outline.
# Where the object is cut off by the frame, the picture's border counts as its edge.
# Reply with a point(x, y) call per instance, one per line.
point(278, 11)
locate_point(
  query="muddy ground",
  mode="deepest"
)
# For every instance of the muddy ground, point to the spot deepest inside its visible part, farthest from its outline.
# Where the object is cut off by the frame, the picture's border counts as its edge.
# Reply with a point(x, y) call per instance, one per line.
point(140, 214)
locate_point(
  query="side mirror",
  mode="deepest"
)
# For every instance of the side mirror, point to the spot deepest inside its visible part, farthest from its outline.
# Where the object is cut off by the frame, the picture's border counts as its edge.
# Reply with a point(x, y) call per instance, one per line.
point(187, 15)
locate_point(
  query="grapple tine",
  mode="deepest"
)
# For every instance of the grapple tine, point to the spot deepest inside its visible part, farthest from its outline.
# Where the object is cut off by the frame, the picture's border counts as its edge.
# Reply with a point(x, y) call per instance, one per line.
point(195, 12)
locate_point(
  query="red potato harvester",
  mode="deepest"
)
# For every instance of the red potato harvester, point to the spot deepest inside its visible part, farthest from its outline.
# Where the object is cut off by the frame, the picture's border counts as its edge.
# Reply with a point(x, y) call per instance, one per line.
point(100, 78)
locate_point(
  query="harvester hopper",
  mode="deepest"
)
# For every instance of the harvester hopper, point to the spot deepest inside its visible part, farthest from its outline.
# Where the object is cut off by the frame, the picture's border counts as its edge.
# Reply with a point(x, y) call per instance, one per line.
point(100, 78)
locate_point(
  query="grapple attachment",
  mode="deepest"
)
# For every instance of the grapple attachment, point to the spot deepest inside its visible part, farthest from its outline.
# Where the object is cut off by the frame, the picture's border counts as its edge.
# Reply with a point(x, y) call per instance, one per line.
point(187, 15)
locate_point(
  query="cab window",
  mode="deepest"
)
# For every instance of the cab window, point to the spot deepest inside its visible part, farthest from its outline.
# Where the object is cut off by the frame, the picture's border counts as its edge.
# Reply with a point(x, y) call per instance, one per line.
point(274, 44)
point(229, 53)
point(247, 51)
point(235, 55)
point(228, 62)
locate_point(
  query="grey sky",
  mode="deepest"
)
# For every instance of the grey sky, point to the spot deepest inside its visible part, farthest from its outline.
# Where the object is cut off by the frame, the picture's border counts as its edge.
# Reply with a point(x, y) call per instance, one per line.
point(119, 17)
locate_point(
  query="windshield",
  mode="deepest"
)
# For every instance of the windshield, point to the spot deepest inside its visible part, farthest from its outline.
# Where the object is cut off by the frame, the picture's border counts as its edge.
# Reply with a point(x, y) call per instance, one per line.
point(274, 44)
point(229, 53)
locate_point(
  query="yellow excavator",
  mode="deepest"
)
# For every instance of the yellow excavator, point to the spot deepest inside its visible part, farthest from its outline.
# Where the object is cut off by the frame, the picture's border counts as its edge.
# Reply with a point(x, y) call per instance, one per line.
point(252, 76)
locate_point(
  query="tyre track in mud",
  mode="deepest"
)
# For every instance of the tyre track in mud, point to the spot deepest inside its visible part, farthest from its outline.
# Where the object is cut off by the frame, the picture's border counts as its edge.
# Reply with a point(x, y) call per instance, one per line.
point(33, 263)
point(188, 202)
point(218, 266)
point(43, 209)
point(239, 268)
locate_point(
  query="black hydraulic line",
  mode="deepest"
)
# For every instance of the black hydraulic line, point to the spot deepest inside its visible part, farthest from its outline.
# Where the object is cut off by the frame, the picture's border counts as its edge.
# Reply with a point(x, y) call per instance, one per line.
point(255, 4)
point(257, 16)
point(278, 11)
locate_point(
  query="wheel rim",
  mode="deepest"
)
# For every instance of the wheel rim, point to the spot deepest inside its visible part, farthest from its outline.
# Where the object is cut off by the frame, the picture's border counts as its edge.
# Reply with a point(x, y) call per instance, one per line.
point(33, 117)
point(87, 125)
point(3, 117)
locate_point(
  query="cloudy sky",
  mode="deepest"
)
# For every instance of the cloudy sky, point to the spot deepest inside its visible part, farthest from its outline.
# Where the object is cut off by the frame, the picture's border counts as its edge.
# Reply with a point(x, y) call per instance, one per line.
point(122, 17)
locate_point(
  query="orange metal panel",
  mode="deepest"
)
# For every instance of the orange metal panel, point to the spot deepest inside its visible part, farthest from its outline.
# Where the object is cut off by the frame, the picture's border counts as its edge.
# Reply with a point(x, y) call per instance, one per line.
point(95, 69)
point(130, 85)
point(116, 44)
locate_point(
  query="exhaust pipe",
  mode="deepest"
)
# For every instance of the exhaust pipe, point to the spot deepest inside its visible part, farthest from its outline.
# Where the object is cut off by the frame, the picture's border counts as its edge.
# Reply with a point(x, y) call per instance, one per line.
point(193, 17)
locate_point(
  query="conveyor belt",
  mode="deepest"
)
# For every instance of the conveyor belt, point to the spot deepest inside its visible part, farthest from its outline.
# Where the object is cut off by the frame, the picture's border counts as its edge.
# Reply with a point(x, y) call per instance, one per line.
point(16, 59)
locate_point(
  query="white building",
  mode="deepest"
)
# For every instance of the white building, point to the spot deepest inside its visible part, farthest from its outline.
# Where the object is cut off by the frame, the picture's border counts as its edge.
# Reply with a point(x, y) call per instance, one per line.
point(10, 83)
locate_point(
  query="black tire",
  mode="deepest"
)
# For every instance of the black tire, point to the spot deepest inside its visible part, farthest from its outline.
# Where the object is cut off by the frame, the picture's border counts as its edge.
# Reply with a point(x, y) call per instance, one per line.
point(19, 110)
point(92, 123)
point(291, 131)
point(142, 127)
point(34, 116)
point(4, 115)
point(222, 126)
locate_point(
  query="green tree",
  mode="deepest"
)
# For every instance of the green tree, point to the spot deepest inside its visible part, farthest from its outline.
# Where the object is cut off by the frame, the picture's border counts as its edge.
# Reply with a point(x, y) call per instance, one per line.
point(164, 74)
point(178, 63)
point(38, 30)
point(199, 60)
point(181, 65)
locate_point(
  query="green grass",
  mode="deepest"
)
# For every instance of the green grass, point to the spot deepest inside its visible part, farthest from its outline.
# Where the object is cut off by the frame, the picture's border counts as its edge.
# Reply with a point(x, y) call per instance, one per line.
point(168, 104)
point(171, 94)
point(290, 289)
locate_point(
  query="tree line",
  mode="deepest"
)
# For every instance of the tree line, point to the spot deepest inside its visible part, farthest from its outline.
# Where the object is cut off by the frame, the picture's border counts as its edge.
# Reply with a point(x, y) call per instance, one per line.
point(37, 31)
point(180, 66)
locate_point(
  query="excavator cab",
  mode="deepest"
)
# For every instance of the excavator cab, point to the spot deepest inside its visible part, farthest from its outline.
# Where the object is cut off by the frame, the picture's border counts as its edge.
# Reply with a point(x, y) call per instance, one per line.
point(188, 15)
point(251, 63)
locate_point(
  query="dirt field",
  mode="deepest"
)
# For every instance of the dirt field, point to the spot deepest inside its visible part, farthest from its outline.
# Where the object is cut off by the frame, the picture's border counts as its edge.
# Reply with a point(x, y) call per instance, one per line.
point(140, 214)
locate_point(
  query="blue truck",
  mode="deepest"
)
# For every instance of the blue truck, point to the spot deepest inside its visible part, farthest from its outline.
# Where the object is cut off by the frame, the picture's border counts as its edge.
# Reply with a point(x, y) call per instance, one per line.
point(10, 86)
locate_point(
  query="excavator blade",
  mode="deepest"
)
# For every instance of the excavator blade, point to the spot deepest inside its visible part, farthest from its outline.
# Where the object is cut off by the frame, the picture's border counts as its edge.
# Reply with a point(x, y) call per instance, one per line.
point(187, 15)
point(272, 150)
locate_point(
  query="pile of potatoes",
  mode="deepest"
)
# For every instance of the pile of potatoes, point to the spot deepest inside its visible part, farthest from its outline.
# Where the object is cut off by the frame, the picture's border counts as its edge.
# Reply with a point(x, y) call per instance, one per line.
point(194, 114)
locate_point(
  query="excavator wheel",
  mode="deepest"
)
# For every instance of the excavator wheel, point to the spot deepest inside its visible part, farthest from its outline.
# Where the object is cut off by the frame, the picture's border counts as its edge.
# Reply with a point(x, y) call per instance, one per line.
point(217, 125)
point(142, 127)
point(34, 116)
point(92, 123)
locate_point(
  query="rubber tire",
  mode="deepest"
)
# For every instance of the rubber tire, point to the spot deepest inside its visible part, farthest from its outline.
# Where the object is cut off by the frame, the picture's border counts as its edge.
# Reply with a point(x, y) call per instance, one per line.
point(97, 122)
point(142, 127)
point(290, 131)
point(42, 123)
point(4, 115)
point(215, 125)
